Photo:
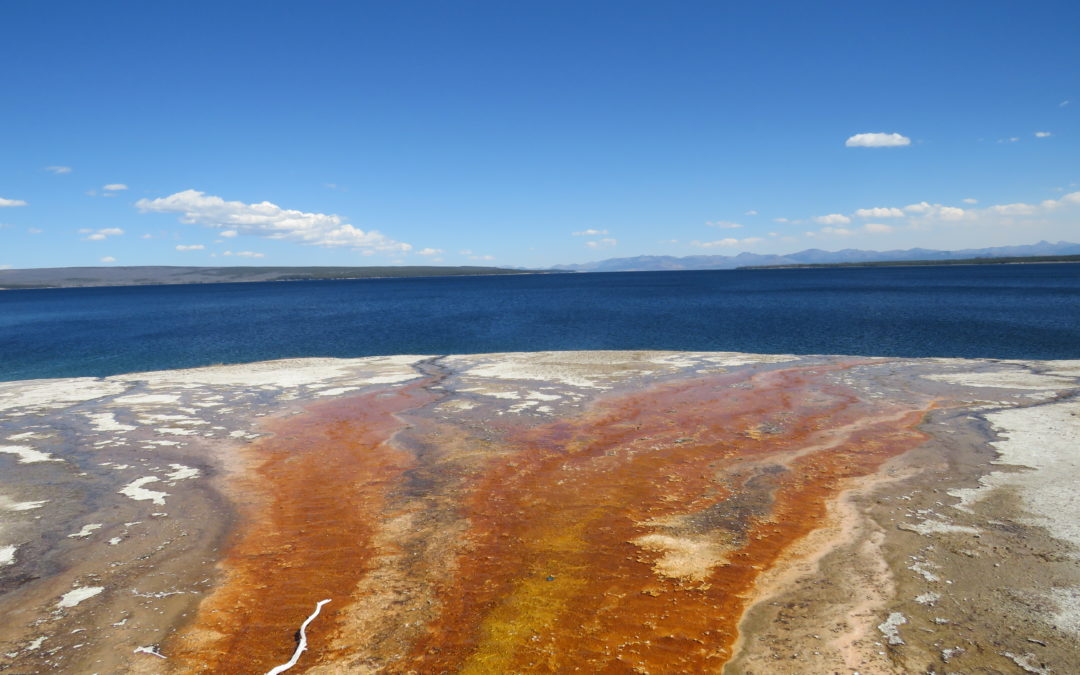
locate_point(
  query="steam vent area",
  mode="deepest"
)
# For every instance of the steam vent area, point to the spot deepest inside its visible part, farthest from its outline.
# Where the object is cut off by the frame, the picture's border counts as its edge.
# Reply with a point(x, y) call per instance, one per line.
point(555, 512)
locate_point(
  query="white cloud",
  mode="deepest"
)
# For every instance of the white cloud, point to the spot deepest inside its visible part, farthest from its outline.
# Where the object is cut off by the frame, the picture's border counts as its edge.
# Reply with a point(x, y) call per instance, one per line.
point(937, 211)
point(751, 212)
point(969, 200)
point(724, 224)
point(229, 233)
point(1012, 139)
point(108, 259)
point(950, 212)
point(465, 251)
point(481, 257)
point(877, 140)
point(58, 169)
point(430, 251)
point(192, 247)
point(113, 187)
point(1043, 134)
point(1071, 198)
point(590, 233)
point(878, 228)
point(880, 212)
point(781, 220)
point(265, 219)
point(833, 219)
point(838, 231)
point(34, 230)
point(606, 242)
point(730, 241)
point(250, 254)
point(5, 267)
point(726, 243)
point(11, 202)
point(1014, 209)
point(102, 234)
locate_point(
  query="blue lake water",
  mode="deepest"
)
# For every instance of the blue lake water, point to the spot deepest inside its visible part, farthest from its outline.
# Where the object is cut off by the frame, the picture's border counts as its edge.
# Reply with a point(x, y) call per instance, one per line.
point(992, 311)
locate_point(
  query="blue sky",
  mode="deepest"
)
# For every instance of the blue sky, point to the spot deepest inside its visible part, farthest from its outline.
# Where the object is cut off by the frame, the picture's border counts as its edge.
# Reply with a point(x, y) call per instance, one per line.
point(369, 133)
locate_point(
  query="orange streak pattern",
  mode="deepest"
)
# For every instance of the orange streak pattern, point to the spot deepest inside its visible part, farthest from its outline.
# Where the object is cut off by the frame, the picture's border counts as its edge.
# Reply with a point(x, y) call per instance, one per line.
point(309, 510)
point(624, 540)
point(555, 581)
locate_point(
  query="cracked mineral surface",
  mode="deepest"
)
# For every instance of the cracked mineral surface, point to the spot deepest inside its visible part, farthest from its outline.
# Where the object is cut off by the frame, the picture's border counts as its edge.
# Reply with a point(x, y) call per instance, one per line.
point(614, 512)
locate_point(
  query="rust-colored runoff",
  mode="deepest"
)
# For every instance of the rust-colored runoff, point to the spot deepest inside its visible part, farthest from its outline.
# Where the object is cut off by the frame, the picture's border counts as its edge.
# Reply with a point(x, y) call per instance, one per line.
point(627, 540)
point(309, 509)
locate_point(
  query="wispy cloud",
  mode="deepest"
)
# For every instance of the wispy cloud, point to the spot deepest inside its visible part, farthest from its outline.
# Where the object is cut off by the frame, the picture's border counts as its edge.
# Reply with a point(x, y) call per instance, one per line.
point(108, 259)
point(100, 235)
point(723, 224)
point(606, 242)
point(34, 230)
point(939, 211)
point(970, 200)
point(430, 251)
point(590, 233)
point(265, 219)
point(244, 254)
point(11, 202)
point(58, 169)
point(114, 187)
point(481, 257)
point(726, 243)
point(189, 247)
point(1043, 134)
point(833, 219)
point(751, 212)
point(878, 228)
point(877, 140)
point(879, 212)
point(926, 215)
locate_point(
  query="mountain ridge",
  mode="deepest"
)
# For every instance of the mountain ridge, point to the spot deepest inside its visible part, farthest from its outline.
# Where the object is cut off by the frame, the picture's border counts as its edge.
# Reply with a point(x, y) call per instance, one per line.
point(813, 256)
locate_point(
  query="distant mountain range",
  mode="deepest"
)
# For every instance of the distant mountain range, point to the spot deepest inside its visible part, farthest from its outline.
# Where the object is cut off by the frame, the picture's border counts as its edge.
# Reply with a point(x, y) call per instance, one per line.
point(815, 256)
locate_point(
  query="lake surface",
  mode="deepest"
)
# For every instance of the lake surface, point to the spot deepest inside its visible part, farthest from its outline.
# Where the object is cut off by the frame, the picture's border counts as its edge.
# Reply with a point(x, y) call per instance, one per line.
point(985, 311)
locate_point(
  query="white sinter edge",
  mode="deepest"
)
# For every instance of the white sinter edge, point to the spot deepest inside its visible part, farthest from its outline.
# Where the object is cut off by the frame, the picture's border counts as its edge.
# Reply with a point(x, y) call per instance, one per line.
point(303, 641)
point(149, 650)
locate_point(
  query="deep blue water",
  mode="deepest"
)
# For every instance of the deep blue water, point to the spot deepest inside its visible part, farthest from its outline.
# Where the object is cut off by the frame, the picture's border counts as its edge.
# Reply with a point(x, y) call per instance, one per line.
point(994, 311)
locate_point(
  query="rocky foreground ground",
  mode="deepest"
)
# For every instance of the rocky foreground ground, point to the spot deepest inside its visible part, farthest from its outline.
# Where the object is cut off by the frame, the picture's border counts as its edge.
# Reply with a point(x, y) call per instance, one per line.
point(595, 512)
